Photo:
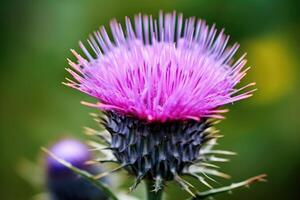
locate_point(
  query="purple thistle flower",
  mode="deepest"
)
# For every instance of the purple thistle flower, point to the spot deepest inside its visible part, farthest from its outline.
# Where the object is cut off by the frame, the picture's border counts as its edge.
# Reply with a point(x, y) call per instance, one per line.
point(63, 184)
point(161, 70)
point(161, 85)
point(71, 151)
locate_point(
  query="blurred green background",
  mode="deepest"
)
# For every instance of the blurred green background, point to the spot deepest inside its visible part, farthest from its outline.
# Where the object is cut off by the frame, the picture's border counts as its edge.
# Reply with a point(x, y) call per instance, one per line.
point(37, 109)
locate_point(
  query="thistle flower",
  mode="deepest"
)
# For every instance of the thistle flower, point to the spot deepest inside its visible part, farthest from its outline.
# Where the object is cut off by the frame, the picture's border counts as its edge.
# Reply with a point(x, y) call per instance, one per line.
point(62, 183)
point(160, 85)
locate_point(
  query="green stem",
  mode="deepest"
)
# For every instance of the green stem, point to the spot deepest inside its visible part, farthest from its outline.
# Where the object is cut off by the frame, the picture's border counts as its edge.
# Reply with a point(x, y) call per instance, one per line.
point(152, 195)
point(246, 183)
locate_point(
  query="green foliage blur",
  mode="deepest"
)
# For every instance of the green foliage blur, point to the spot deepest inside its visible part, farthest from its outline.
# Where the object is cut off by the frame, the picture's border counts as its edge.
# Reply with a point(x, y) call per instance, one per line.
point(36, 109)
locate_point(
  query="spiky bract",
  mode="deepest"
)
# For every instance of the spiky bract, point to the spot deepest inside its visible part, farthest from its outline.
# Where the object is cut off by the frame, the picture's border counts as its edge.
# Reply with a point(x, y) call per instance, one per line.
point(153, 150)
point(159, 151)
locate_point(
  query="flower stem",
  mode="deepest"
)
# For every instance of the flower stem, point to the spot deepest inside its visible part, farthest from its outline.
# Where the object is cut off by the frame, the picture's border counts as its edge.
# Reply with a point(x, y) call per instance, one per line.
point(153, 195)
point(246, 183)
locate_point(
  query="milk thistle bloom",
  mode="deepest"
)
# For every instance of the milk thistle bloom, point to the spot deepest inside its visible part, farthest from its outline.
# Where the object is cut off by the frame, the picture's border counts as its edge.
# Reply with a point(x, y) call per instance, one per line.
point(161, 85)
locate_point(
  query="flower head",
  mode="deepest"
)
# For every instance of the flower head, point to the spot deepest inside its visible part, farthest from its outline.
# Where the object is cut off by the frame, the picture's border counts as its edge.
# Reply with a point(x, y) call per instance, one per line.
point(161, 70)
point(160, 85)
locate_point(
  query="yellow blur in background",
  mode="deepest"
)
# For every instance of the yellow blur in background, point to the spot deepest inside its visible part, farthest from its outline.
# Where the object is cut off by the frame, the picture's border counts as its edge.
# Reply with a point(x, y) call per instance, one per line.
point(274, 66)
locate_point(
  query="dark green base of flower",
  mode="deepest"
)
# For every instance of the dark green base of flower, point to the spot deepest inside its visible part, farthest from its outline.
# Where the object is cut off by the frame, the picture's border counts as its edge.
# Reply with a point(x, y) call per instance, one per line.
point(155, 150)
point(160, 152)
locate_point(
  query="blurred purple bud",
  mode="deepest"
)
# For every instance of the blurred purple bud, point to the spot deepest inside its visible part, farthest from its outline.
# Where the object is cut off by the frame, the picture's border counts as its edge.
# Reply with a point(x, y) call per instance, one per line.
point(62, 183)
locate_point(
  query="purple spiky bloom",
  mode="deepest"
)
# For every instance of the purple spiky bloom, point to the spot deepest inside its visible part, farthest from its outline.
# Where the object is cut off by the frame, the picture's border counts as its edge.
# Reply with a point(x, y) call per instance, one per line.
point(62, 183)
point(160, 84)
point(162, 70)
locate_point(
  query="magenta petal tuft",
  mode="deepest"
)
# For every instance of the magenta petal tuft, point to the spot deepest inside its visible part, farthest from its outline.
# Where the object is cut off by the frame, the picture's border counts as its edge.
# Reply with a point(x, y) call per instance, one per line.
point(160, 70)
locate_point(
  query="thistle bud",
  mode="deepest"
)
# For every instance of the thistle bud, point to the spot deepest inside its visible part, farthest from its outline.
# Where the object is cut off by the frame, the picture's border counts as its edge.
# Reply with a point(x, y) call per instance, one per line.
point(62, 183)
